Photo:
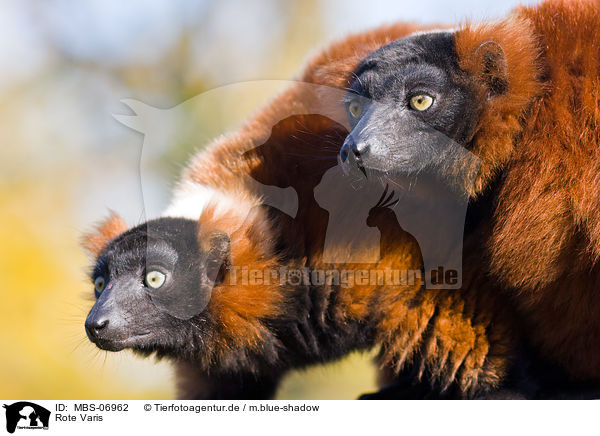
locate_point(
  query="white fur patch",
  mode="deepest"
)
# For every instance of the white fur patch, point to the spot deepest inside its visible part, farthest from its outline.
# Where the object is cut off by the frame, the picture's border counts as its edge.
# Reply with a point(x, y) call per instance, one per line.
point(425, 32)
point(190, 199)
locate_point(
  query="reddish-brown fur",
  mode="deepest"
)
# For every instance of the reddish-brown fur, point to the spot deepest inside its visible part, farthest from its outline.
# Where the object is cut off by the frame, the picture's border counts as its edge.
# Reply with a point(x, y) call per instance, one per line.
point(93, 242)
point(545, 241)
point(241, 308)
point(501, 120)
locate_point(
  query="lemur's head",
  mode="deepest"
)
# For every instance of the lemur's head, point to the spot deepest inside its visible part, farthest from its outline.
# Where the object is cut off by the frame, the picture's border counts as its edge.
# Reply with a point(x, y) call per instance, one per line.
point(418, 103)
point(150, 281)
point(404, 95)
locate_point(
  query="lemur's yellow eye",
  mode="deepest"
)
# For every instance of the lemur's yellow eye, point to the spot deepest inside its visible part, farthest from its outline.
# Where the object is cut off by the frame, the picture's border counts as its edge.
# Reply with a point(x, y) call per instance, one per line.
point(99, 284)
point(155, 279)
point(421, 102)
point(355, 109)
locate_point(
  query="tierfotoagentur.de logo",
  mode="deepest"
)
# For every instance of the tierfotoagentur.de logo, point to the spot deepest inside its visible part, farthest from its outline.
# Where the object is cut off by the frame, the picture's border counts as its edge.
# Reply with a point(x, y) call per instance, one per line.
point(24, 415)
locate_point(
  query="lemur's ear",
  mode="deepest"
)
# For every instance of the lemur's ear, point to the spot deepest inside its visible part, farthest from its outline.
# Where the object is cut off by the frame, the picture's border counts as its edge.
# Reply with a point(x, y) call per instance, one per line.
point(95, 241)
point(218, 260)
point(491, 61)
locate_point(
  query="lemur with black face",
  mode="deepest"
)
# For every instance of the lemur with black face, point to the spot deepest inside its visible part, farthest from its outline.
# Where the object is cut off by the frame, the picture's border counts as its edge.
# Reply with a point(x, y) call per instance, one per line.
point(523, 95)
point(405, 94)
point(157, 268)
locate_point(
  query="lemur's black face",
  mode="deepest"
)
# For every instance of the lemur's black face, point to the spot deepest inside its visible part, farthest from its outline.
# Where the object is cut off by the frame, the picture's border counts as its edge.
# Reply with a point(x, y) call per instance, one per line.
point(408, 102)
point(150, 282)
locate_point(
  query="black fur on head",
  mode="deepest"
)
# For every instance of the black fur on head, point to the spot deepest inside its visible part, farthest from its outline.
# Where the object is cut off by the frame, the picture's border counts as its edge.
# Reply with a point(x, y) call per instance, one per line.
point(411, 108)
point(152, 285)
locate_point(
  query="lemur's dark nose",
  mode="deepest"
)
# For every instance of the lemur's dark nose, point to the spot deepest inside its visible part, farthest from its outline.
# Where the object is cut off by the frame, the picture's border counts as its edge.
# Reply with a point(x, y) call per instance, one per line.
point(351, 148)
point(353, 152)
point(93, 326)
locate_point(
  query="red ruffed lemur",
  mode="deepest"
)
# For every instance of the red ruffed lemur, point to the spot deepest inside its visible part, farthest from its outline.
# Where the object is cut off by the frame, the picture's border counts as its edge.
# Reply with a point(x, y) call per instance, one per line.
point(236, 340)
point(526, 90)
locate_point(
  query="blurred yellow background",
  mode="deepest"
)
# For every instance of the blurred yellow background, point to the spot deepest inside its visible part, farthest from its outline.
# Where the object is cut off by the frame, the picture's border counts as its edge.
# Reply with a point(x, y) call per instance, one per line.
point(64, 160)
